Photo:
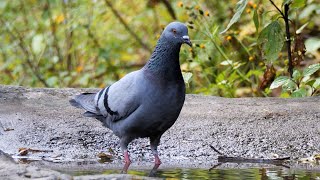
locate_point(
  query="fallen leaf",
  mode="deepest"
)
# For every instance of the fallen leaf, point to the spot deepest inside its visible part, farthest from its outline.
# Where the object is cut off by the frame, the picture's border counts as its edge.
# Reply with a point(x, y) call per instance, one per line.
point(299, 50)
point(274, 155)
point(307, 160)
point(23, 151)
point(105, 157)
point(268, 76)
point(111, 151)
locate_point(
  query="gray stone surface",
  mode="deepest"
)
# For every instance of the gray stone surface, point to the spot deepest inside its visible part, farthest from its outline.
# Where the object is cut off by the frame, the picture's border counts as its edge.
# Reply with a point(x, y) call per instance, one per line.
point(10, 170)
point(249, 127)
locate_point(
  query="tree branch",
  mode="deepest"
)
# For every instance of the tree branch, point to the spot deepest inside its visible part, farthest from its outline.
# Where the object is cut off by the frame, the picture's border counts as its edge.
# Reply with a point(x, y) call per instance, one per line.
point(277, 8)
point(285, 16)
point(288, 39)
point(169, 8)
point(53, 28)
point(93, 38)
point(126, 26)
point(68, 36)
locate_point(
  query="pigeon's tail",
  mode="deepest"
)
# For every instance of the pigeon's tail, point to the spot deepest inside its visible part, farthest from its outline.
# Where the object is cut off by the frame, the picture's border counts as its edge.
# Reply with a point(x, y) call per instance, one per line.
point(86, 101)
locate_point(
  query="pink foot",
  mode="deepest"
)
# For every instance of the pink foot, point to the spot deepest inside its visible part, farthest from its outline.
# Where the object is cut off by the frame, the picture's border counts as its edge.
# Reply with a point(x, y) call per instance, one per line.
point(157, 163)
point(127, 162)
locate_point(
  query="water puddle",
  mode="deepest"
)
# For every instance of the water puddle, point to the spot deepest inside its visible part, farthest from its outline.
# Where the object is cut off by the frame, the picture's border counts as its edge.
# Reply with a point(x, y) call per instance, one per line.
point(249, 173)
point(233, 170)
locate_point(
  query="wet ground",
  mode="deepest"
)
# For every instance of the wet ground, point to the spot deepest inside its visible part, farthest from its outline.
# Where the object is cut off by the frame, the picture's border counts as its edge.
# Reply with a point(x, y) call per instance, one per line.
point(42, 119)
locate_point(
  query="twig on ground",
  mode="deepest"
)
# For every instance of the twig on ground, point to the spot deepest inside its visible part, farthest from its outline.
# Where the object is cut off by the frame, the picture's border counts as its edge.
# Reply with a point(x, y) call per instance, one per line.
point(1, 130)
point(276, 161)
point(232, 159)
point(39, 150)
point(215, 149)
point(215, 166)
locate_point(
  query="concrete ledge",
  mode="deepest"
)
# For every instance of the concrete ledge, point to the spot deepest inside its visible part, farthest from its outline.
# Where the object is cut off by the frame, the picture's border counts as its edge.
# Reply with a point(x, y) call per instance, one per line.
point(249, 127)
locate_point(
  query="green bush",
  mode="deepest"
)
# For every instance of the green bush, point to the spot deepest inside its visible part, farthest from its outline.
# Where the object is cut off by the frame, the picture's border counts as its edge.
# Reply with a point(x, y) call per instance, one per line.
point(53, 43)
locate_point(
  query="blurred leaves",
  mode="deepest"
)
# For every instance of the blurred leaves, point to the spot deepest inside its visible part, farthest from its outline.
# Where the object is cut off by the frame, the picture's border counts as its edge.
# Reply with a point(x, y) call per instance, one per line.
point(301, 84)
point(38, 44)
point(301, 28)
point(295, 3)
point(311, 69)
point(279, 81)
point(312, 44)
point(298, 3)
point(187, 77)
point(241, 5)
point(316, 84)
point(93, 43)
point(301, 92)
point(256, 20)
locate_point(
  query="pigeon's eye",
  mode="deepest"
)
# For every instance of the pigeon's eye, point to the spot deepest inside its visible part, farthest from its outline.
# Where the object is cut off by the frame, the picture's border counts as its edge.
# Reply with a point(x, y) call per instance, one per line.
point(174, 31)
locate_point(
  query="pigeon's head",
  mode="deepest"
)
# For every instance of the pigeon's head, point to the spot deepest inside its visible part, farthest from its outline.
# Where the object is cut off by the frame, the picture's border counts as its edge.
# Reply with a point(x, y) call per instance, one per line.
point(177, 33)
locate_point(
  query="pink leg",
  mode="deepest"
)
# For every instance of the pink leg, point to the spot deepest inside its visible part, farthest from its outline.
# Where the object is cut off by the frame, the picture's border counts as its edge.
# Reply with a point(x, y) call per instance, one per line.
point(126, 157)
point(157, 163)
point(127, 161)
point(157, 160)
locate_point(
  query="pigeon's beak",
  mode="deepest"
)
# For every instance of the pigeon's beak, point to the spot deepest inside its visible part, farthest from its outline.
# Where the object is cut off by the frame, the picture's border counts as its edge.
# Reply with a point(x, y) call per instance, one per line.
point(186, 40)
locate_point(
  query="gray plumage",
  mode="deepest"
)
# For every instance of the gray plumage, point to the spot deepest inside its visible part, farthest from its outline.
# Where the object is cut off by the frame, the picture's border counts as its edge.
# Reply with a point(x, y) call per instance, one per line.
point(147, 102)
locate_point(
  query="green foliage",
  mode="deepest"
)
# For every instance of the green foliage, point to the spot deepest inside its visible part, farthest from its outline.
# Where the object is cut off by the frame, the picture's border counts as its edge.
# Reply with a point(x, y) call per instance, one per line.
point(256, 20)
point(312, 44)
point(241, 5)
point(301, 84)
point(272, 40)
point(281, 80)
point(53, 43)
point(298, 3)
point(294, 3)
point(311, 69)
point(186, 77)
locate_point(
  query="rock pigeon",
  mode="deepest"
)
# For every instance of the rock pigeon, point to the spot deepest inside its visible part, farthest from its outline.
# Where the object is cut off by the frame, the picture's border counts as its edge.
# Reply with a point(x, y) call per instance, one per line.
point(144, 103)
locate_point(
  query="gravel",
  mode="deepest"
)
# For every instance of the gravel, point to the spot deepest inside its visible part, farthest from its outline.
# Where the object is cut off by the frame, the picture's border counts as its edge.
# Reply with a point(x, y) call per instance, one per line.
point(42, 119)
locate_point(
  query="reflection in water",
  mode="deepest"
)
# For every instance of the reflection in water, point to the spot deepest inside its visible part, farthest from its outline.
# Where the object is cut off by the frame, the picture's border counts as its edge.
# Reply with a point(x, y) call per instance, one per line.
point(250, 173)
point(154, 170)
